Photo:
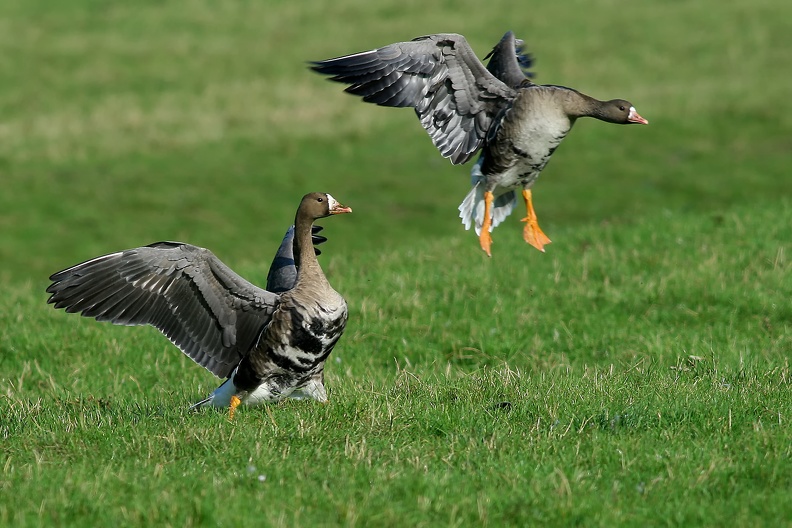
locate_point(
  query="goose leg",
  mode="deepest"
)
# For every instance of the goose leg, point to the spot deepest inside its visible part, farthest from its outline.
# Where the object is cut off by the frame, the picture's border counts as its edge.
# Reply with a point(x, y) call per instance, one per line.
point(532, 233)
point(485, 239)
point(235, 401)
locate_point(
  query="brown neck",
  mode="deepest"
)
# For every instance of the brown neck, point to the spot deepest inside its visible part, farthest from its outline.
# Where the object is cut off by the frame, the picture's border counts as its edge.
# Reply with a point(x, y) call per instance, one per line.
point(581, 105)
point(304, 255)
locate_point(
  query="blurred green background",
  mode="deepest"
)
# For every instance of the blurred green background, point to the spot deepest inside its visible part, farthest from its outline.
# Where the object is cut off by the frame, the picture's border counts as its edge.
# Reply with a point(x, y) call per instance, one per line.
point(655, 332)
point(123, 124)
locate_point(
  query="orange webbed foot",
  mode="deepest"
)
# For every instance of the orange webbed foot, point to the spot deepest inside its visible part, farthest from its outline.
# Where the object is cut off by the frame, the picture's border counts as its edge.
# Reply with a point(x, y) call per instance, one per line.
point(534, 235)
point(235, 401)
point(485, 239)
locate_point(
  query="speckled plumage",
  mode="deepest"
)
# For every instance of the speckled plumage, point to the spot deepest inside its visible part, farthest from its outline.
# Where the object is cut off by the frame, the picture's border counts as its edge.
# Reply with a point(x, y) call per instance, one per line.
point(268, 344)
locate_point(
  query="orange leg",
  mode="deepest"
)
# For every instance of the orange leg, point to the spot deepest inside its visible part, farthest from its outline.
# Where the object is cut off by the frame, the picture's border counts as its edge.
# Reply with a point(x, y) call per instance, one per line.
point(234, 404)
point(532, 233)
point(484, 237)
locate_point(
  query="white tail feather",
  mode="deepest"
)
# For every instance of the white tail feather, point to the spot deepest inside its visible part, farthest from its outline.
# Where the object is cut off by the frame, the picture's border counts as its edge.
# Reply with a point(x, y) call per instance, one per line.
point(221, 397)
point(471, 210)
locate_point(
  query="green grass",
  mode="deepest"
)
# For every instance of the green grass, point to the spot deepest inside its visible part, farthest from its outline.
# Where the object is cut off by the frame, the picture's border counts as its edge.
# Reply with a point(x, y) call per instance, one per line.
point(635, 374)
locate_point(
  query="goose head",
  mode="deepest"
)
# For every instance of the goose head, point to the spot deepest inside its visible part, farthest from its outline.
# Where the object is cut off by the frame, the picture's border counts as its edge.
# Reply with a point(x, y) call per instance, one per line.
point(320, 205)
point(620, 112)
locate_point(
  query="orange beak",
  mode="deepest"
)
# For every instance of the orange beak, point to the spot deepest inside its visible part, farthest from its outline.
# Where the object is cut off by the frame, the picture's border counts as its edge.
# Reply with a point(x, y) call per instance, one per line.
point(340, 209)
point(634, 117)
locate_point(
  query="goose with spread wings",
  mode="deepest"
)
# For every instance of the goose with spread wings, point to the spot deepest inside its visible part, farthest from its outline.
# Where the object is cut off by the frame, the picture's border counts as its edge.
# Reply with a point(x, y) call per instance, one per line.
point(466, 107)
point(270, 343)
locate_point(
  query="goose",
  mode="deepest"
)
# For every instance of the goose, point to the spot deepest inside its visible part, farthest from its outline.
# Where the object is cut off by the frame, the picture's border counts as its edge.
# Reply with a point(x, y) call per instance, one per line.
point(269, 345)
point(466, 107)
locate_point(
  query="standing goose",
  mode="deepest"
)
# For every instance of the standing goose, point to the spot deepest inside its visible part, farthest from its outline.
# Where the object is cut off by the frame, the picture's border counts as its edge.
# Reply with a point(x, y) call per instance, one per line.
point(269, 345)
point(466, 107)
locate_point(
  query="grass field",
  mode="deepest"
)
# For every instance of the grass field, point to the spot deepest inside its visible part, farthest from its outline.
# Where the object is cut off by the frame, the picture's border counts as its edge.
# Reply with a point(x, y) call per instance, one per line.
point(635, 374)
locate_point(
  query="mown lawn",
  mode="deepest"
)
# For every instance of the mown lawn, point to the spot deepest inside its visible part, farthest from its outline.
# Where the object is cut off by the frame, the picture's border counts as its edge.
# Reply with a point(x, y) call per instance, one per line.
point(635, 374)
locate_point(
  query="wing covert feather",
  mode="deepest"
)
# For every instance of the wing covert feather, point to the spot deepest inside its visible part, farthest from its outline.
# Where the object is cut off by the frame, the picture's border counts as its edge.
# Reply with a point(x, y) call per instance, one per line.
point(212, 314)
point(455, 97)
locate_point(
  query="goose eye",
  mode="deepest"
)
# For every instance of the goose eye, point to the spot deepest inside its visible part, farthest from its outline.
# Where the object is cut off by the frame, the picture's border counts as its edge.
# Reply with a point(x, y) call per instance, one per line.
point(320, 200)
point(621, 107)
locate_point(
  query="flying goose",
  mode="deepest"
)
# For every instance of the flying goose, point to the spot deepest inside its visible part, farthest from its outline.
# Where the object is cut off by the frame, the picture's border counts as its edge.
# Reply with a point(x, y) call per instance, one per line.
point(269, 345)
point(466, 107)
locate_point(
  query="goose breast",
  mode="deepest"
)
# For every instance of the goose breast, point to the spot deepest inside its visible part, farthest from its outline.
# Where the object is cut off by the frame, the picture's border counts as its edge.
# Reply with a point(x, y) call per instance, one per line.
point(528, 135)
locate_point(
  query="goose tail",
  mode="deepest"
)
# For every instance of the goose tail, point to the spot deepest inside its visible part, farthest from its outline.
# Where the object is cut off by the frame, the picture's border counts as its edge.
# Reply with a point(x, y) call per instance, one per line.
point(471, 210)
point(221, 397)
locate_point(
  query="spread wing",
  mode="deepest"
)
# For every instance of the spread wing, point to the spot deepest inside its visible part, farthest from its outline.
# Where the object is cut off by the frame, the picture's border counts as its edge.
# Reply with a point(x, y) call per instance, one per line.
point(454, 95)
point(509, 63)
point(212, 314)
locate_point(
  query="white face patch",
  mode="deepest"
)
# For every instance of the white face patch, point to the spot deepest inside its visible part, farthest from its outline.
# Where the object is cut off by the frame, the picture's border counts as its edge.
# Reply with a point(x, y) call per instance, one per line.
point(633, 117)
point(331, 202)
